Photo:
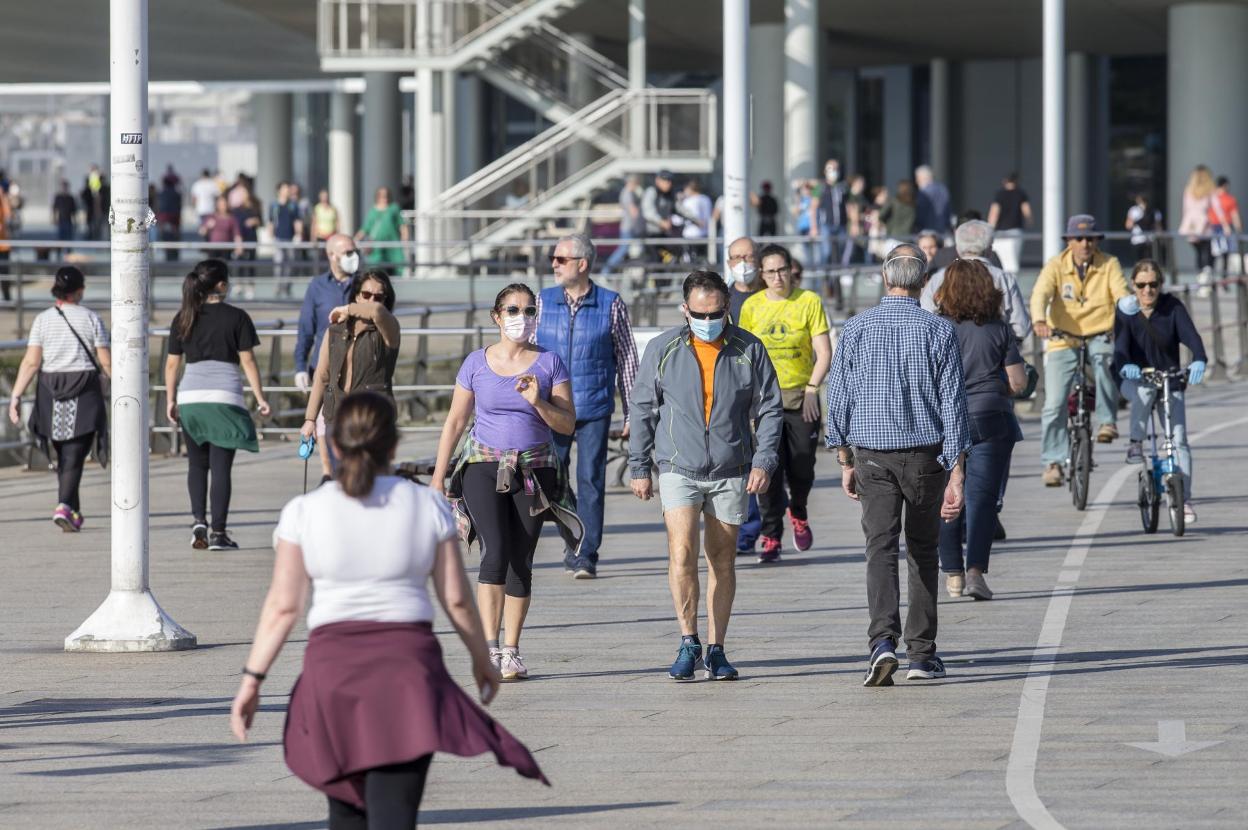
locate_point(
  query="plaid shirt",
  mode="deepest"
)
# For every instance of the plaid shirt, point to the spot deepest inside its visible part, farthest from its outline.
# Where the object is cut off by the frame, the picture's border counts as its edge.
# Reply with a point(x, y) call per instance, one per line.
point(621, 339)
point(896, 382)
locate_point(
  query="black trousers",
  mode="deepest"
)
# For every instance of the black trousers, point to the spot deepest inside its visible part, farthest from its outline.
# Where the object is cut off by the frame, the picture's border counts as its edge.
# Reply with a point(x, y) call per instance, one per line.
point(1204, 254)
point(799, 442)
point(71, 457)
point(893, 485)
point(391, 799)
point(206, 458)
point(506, 525)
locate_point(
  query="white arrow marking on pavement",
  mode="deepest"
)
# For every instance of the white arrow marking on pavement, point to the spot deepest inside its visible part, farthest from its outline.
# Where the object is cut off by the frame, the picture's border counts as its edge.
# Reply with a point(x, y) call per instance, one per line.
point(1172, 740)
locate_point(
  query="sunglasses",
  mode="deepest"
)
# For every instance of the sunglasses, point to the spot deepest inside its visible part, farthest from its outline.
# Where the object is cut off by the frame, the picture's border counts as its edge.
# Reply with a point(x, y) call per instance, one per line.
point(379, 296)
point(563, 260)
point(1152, 285)
point(707, 315)
point(513, 310)
point(1084, 238)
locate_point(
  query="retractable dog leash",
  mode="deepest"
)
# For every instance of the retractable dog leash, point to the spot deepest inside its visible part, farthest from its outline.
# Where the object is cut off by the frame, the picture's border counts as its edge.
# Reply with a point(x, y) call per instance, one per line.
point(307, 446)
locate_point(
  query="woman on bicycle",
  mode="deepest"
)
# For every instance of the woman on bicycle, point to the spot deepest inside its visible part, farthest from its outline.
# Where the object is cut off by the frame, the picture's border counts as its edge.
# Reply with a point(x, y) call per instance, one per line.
point(1148, 329)
point(993, 368)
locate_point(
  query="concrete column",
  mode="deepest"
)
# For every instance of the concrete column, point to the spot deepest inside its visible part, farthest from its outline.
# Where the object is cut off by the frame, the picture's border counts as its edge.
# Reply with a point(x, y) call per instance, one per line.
point(1078, 134)
point(801, 91)
point(1207, 111)
point(581, 89)
point(1054, 124)
point(939, 119)
point(767, 111)
point(637, 71)
point(382, 150)
point(342, 159)
point(273, 112)
point(468, 126)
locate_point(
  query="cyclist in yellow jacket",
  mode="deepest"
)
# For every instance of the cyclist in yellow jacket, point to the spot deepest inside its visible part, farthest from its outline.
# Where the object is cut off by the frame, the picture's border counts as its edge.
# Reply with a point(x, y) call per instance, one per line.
point(1076, 293)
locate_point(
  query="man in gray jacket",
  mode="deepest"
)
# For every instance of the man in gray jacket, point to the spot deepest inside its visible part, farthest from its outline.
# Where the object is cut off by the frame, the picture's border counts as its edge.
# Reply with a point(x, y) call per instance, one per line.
point(692, 410)
point(973, 240)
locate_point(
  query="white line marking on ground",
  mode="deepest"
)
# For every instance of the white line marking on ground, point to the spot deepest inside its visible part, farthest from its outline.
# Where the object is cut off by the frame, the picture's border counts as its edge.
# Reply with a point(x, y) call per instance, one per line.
point(1020, 773)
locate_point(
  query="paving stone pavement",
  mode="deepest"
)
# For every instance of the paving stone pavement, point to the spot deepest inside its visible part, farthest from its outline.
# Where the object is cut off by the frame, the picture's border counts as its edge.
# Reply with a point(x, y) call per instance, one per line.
point(1157, 630)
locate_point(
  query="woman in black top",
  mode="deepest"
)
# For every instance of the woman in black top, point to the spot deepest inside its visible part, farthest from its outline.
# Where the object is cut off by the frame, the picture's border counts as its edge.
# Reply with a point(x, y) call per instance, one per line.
point(216, 339)
point(1148, 329)
point(359, 350)
point(993, 370)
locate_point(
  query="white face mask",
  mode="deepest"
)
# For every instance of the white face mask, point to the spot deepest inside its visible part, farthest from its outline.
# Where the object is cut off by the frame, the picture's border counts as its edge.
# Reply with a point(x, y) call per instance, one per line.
point(349, 263)
point(832, 174)
point(744, 272)
point(519, 329)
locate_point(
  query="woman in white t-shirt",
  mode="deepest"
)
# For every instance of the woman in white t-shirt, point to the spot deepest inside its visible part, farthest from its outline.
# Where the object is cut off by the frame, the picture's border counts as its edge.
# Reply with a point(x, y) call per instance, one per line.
point(374, 701)
point(68, 348)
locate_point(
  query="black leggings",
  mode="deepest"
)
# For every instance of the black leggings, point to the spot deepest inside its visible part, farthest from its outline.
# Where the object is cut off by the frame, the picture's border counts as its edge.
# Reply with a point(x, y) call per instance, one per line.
point(1204, 254)
point(71, 457)
point(391, 799)
point(505, 526)
point(204, 458)
point(799, 442)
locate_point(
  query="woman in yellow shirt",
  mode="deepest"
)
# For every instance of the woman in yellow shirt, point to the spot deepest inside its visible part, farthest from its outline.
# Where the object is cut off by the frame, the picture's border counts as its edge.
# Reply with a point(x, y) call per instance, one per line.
point(793, 326)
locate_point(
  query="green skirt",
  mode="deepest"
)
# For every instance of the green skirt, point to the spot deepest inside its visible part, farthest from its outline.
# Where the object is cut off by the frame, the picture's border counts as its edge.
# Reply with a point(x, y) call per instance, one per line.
point(219, 424)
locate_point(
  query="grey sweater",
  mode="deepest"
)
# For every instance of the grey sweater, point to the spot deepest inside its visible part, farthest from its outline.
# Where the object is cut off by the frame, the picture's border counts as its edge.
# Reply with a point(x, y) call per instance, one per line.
point(667, 412)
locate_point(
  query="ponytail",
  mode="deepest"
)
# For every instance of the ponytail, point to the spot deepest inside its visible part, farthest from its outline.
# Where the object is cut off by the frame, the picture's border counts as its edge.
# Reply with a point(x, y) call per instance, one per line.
point(199, 283)
point(365, 434)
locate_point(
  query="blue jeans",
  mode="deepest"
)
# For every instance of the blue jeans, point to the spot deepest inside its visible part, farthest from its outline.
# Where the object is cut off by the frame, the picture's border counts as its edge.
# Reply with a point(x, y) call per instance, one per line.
point(1059, 374)
point(620, 253)
point(591, 477)
point(1141, 397)
point(829, 239)
point(987, 464)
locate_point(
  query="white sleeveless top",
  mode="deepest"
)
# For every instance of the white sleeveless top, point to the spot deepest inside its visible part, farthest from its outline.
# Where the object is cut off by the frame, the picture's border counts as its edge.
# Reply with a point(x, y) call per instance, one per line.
point(369, 559)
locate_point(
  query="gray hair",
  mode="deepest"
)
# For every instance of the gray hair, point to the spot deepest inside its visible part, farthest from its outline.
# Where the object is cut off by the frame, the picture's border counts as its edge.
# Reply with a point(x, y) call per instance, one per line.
point(973, 238)
point(904, 267)
point(582, 246)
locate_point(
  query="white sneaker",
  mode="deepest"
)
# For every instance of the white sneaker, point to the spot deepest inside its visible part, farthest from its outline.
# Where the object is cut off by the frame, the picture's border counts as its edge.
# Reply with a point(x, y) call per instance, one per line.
point(1135, 453)
point(496, 659)
point(1189, 513)
point(513, 667)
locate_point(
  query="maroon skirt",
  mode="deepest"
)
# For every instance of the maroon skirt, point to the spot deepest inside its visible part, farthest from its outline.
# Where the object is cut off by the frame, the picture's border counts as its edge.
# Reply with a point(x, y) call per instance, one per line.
point(373, 694)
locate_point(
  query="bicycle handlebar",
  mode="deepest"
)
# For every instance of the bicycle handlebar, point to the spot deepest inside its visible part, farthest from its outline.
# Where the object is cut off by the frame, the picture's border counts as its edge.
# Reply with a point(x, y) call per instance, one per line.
point(1081, 337)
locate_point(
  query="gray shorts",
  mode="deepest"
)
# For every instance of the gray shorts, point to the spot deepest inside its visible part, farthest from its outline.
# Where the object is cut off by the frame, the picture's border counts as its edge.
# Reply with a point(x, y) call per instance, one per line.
point(724, 498)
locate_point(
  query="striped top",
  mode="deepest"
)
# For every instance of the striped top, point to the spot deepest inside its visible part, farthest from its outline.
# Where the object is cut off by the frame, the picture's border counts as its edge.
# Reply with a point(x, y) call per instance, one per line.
point(61, 350)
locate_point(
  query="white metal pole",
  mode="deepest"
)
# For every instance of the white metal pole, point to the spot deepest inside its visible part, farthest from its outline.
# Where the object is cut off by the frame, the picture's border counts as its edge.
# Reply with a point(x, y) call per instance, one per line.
point(1054, 124)
point(736, 120)
point(129, 618)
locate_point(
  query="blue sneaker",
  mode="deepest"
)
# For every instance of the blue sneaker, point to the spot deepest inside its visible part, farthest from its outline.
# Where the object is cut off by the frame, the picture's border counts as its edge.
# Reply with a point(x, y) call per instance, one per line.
point(928, 669)
point(717, 665)
point(688, 661)
point(585, 569)
point(883, 664)
point(570, 562)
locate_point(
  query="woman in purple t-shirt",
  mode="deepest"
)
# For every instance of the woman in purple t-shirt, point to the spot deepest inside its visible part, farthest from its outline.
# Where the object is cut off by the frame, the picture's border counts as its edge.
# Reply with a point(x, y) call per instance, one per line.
point(508, 467)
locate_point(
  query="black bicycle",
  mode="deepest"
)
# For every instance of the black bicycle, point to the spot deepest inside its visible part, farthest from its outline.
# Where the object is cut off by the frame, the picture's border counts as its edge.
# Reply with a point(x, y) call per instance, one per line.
point(1161, 479)
point(1080, 404)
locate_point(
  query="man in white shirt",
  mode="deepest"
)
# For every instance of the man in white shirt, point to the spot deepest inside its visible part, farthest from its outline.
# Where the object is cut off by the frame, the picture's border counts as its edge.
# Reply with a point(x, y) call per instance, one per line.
point(204, 195)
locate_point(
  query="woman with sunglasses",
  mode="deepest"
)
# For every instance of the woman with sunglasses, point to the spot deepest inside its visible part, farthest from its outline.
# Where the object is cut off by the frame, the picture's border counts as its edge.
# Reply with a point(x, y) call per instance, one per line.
point(359, 350)
point(1148, 329)
point(508, 479)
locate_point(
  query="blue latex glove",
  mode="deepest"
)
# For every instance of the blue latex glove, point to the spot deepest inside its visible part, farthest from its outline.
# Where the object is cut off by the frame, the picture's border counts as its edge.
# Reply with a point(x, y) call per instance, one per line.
point(1132, 372)
point(1129, 305)
point(1196, 372)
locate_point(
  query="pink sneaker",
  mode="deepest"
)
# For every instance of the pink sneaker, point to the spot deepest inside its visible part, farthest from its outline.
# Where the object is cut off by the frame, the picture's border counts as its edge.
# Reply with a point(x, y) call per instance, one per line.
point(77, 519)
point(802, 537)
point(64, 518)
point(771, 550)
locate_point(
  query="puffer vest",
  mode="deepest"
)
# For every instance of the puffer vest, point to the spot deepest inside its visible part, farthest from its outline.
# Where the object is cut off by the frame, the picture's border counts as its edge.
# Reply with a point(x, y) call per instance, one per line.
point(584, 343)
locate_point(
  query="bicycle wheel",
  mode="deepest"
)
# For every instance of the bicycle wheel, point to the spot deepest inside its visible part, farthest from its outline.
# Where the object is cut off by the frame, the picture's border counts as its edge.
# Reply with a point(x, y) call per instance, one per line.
point(1174, 504)
point(1150, 508)
point(1081, 467)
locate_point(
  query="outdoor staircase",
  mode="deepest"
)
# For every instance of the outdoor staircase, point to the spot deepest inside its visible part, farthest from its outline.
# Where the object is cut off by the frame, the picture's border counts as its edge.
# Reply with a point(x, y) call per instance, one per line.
point(601, 129)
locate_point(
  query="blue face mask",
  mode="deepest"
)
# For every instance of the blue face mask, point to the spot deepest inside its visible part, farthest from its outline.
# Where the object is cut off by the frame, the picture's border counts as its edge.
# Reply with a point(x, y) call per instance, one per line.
point(706, 330)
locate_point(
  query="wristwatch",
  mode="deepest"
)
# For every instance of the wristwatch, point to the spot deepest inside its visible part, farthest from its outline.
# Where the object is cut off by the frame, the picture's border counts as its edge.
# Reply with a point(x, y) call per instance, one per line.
point(848, 461)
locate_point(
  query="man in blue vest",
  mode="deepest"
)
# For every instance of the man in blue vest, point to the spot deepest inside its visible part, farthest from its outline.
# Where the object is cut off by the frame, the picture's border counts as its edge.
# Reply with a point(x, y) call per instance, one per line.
point(588, 326)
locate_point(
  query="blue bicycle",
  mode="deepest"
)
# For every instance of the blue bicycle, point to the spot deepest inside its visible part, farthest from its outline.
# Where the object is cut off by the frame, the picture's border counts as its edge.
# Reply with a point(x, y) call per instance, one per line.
point(1161, 478)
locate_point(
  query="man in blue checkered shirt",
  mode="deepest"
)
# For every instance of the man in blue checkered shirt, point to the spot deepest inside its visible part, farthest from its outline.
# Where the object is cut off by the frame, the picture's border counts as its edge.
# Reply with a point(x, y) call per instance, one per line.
point(897, 419)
